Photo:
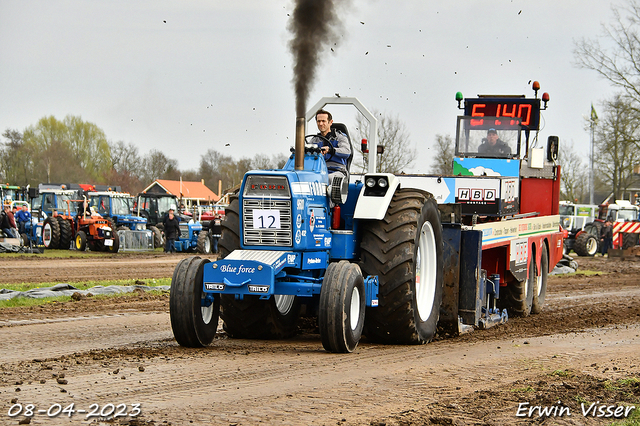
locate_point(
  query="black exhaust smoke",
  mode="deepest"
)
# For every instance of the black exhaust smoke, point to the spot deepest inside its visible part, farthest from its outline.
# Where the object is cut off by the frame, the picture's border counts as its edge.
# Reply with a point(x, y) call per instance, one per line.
point(314, 26)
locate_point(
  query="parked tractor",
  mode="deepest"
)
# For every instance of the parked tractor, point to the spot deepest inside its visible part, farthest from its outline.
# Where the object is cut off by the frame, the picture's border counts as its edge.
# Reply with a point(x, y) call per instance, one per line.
point(117, 208)
point(368, 254)
point(573, 219)
point(626, 228)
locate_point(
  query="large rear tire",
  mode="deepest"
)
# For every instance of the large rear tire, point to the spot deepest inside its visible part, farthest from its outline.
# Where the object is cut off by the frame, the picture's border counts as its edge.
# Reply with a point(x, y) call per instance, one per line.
point(342, 306)
point(251, 317)
point(51, 233)
point(193, 323)
point(540, 290)
point(586, 244)
point(405, 251)
point(204, 243)
point(66, 234)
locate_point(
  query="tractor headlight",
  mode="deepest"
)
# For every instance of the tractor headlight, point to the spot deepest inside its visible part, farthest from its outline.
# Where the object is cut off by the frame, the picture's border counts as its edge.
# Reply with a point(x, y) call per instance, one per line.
point(382, 182)
point(370, 182)
point(139, 226)
point(376, 186)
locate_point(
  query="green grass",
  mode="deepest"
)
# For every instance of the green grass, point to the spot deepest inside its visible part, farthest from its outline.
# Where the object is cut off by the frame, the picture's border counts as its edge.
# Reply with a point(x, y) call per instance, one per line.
point(562, 373)
point(27, 301)
point(87, 284)
point(632, 420)
point(70, 254)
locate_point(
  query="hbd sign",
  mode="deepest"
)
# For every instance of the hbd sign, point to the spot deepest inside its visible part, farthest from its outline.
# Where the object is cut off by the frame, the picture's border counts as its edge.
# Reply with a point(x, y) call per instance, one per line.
point(476, 195)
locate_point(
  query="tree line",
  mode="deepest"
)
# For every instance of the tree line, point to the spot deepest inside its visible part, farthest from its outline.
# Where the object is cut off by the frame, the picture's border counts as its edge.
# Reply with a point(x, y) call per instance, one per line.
point(74, 151)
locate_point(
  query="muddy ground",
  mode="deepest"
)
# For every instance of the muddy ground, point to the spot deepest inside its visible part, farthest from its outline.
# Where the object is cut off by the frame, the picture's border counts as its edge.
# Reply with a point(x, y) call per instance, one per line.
point(582, 349)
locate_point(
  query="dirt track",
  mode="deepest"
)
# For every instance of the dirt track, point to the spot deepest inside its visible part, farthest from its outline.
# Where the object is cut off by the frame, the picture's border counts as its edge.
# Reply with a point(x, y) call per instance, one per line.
point(121, 351)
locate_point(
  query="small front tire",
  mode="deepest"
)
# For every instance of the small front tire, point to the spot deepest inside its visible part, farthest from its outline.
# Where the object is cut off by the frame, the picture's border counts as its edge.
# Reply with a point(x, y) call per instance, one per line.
point(342, 303)
point(194, 322)
point(81, 241)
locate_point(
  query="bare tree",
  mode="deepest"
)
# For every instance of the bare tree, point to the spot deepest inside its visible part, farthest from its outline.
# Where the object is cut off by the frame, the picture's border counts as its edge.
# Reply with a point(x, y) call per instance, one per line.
point(156, 165)
point(574, 176)
point(616, 144)
point(619, 64)
point(393, 136)
point(443, 161)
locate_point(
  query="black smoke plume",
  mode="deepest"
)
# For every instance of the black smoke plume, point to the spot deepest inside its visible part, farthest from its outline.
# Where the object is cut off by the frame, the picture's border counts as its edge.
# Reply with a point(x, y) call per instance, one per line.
point(315, 27)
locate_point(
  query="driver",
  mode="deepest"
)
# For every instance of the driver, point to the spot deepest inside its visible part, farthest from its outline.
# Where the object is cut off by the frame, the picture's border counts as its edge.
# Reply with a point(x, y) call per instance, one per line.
point(493, 145)
point(337, 150)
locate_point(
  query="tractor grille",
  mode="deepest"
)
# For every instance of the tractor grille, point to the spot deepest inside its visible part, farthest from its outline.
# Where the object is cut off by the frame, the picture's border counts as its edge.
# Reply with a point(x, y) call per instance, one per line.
point(281, 237)
point(184, 230)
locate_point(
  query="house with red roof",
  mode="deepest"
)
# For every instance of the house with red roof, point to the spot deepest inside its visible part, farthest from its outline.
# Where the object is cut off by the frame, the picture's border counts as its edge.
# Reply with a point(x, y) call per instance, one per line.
point(190, 193)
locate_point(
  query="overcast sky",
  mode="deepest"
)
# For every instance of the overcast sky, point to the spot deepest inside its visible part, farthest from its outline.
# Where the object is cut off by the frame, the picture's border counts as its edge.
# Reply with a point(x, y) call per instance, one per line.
point(187, 76)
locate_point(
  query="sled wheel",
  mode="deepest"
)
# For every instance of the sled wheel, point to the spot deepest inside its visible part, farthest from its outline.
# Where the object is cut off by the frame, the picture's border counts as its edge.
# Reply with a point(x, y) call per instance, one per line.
point(517, 296)
point(342, 306)
point(540, 290)
point(405, 251)
point(193, 321)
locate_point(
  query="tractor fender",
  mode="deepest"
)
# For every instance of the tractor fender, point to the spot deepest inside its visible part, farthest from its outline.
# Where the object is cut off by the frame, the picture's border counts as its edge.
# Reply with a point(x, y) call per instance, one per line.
point(374, 201)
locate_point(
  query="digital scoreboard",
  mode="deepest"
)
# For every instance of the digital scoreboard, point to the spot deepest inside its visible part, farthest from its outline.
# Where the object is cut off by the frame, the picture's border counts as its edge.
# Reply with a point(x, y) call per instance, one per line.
point(527, 110)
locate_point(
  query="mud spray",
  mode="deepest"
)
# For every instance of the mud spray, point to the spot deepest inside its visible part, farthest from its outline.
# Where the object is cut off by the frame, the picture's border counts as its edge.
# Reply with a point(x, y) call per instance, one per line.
point(315, 28)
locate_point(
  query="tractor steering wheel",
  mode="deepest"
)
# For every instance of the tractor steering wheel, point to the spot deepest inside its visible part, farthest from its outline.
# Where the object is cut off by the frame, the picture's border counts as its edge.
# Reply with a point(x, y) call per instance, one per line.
point(332, 150)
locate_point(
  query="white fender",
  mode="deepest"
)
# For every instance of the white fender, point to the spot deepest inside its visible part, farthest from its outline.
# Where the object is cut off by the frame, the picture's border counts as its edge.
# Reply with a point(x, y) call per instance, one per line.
point(374, 206)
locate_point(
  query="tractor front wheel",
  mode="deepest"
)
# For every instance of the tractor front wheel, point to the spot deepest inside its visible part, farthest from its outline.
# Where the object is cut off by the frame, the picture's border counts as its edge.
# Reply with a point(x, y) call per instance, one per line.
point(115, 246)
point(194, 318)
point(81, 241)
point(342, 303)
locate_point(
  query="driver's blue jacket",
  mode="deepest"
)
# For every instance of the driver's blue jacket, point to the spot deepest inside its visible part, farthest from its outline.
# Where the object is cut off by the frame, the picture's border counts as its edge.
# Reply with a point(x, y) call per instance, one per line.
point(339, 141)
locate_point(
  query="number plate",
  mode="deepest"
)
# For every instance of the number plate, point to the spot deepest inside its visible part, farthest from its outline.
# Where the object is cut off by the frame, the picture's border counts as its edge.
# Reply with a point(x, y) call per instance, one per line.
point(266, 219)
point(108, 242)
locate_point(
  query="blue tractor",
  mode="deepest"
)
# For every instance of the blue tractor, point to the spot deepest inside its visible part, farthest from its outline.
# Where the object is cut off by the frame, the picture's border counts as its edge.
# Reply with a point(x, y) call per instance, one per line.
point(291, 239)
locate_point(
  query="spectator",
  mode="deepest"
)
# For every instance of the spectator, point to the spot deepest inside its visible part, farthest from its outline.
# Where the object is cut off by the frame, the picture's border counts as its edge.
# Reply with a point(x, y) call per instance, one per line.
point(23, 217)
point(606, 237)
point(8, 223)
point(216, 232)
point(171, 231)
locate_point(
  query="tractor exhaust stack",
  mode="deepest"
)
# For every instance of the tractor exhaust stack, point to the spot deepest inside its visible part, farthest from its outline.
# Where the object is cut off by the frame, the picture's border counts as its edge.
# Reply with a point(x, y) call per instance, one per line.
point(299, 146)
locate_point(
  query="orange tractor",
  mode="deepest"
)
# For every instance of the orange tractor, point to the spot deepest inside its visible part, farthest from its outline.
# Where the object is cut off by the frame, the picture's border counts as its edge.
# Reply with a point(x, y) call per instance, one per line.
point(90, 229)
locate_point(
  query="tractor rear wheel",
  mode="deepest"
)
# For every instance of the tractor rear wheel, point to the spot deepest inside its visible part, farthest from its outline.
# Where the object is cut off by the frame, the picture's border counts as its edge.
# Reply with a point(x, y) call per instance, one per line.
point(517, 296)
point(157, 237)
point(540, 290)
point(204, 243)
point(81, 241)
point(251, 317)
point(51, 233)
point(586, 244)
point(66, 234)
point(405, 251)
point(194, 320)
point(342, 305)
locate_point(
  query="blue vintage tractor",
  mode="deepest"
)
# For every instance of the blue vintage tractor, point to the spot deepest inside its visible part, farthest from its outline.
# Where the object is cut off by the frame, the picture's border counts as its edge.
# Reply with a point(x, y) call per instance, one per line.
point(291, 238)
